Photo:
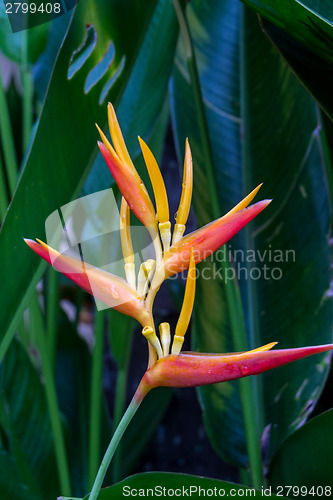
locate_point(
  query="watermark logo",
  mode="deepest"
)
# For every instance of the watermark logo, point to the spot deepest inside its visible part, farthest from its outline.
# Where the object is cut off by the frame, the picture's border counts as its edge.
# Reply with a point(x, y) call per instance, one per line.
point(88, 229)
point(25, 15)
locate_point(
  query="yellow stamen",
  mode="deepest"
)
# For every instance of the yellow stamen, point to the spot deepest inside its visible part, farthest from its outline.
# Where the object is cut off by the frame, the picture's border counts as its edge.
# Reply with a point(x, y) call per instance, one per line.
point(152, 338)
point(118, 140)
point(126, 242)
point(186, 311)
point(177, 344)
point(165, 231)
point(178, 232)
point(165, 337)
point(105, 141)
point(160, 194)
point(246, 201)
point(145, 275)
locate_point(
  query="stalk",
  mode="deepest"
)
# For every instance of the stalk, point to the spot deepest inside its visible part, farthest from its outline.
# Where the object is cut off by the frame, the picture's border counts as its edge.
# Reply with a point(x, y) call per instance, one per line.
point(119, 403)
point(96, 397)
point(123, 424)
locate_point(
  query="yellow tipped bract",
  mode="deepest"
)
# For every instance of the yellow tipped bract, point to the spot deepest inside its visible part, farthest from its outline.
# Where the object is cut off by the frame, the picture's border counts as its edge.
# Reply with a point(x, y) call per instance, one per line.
point(186, 197)
point(118, 140)
point(246, 201)
point(160, 194)
point(186, 311)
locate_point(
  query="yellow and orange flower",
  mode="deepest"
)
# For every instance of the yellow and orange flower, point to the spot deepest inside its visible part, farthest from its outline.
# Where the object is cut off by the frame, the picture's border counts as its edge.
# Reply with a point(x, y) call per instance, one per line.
point(173, 253)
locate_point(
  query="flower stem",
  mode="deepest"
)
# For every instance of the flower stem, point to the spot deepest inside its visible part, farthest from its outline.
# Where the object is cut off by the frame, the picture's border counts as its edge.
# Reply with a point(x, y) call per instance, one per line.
point(119, 403)
point(96, 397)
point(123, 424)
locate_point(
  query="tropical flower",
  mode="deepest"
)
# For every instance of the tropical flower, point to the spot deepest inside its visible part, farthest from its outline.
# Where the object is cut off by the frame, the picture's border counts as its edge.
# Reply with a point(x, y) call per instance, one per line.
point(174, 253)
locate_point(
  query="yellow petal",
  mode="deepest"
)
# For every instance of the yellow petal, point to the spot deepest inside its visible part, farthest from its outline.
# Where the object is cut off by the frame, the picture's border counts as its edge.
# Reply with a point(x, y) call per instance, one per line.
point(246, 201)
point(161, 198)
point(105, 140)
point(186, 311)
point(186, 197)
point(118, 140)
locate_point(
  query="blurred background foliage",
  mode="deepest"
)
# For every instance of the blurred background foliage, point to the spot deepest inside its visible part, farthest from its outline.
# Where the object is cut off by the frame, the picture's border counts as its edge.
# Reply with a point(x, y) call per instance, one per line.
point(250, 85)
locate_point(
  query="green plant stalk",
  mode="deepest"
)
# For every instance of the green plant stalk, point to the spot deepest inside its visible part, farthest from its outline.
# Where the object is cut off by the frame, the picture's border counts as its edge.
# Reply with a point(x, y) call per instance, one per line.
point(234, 301)
point(7, 140)
point(3, 193)
point(119, 404)
point(52, 312)
point(27, 91)
point(36, 322)
point(123, 424)
point(96, 398)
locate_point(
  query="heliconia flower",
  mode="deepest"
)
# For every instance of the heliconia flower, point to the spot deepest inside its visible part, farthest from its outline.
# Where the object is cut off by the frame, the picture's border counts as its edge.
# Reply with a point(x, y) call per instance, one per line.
point(209, 238)
point(109, 289)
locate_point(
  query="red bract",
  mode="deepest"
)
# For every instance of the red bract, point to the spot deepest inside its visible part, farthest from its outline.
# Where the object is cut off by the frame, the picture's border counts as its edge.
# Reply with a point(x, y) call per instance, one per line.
point(193, 369)
point(209, 238)
point(109, 289)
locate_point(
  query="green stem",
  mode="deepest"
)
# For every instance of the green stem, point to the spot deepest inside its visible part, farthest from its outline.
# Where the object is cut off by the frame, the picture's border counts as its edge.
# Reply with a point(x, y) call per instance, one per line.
point(233, 297)
point(123, 424)
point(27, 92)
point(7, 140)
point(96, 397)
point(3, 192)
point(119, 404)
point(37, 326)
point(52, 312)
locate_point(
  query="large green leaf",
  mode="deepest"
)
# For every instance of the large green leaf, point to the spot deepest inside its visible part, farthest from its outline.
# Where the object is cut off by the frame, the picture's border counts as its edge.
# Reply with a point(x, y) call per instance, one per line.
point(309, 21)
point(263, 127)
point(25, 421)
point(315, 73)
point(11, 486)
point(178, 485)
point(305, 459)
point(64, 147)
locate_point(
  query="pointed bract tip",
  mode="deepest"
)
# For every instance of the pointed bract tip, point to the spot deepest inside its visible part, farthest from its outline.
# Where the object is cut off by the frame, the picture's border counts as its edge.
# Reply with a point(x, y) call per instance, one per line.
point(28, 241)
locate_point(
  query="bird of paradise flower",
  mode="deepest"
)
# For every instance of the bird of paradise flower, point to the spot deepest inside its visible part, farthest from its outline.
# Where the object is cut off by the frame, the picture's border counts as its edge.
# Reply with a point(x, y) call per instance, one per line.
point(174, 252)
